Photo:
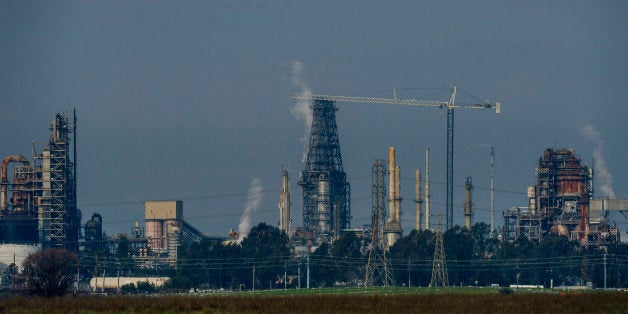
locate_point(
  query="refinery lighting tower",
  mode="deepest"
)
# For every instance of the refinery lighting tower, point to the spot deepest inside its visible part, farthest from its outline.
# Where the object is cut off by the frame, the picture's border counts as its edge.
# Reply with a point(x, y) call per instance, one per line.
point(449, 105)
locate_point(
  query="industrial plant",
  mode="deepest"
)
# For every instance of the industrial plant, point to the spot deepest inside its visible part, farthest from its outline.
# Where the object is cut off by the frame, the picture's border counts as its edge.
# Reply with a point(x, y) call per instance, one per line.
point(38, 204)
point(561, 202)
point(38, 207)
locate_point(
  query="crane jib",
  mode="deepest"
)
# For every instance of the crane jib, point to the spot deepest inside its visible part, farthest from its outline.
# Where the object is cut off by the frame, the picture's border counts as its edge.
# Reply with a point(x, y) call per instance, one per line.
point(397, 101)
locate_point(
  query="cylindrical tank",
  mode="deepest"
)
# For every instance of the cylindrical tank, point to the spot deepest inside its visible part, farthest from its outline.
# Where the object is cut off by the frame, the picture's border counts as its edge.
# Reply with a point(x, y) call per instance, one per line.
point(18, 228)
point(323, 206)
point(93, 228)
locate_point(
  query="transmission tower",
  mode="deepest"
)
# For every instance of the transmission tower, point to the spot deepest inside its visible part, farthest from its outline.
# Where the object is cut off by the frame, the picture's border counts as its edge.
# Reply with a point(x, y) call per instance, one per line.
point(325, 190)
point(439, 266)
point(378, 269)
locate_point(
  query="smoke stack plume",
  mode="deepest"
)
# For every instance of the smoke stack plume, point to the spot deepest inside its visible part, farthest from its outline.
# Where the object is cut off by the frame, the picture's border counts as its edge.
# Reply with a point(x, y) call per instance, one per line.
point(302, 110)
point(602, 174)
point(255, 196)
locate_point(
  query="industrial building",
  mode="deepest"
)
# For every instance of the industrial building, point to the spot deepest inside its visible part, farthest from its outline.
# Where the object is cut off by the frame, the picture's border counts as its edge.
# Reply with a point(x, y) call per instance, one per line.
point(324, 186)
point(561, 202)
point(38, 205)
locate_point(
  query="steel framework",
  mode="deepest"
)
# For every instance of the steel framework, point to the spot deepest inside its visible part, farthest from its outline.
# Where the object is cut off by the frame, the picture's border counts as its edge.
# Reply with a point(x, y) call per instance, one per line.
point(324, 186)
point(60, 218)
point(439, 266)
point(448, 105)
point(378, 268)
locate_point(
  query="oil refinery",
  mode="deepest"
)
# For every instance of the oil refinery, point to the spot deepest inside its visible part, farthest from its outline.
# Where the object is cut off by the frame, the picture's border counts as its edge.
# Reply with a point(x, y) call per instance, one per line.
point(38, 208)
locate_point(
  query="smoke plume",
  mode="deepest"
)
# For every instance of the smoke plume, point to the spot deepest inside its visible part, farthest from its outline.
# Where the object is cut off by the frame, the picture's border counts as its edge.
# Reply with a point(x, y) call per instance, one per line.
point(302, 111)
point(603, 176)
point(255, 196)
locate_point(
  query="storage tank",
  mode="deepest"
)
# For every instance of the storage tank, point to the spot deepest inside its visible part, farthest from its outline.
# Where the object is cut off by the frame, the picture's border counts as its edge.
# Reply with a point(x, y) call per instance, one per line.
point(323, 205)
point(93, 232)
point(18, 229)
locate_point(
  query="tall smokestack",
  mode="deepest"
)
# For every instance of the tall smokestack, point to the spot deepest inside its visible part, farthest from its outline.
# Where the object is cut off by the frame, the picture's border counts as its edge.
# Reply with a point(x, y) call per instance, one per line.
point(398, 195)
point(284, 203)
point(393, 224)
point(392, 184)
point(427, 188)
point(418, 200)
point(468, 203)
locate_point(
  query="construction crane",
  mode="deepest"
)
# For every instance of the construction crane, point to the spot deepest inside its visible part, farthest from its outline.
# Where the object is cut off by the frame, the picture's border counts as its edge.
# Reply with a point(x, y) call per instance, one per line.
point(449, 105)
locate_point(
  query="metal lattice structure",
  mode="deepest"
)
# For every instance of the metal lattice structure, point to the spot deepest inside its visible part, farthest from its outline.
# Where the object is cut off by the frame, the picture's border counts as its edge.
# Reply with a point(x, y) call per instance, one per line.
point(59, 219)
point(378, 268)
point(325, 190)
point(439, 266)
point(448, 105)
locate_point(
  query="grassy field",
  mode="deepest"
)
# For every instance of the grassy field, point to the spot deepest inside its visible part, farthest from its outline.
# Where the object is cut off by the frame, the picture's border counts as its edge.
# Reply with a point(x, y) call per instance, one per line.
point(346, 300)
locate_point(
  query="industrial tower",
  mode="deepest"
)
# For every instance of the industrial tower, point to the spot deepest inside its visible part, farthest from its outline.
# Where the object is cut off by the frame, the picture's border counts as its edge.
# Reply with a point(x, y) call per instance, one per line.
point(393, 229)
point(59, 218)
point(449, 105)
point(378, 268)
point(325, 190)
point(468, 203)
point(284, 203)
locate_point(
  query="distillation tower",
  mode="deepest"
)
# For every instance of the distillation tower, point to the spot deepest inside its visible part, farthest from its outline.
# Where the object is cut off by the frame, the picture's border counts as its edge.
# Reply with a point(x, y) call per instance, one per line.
point(43, 203)
point(324, 186)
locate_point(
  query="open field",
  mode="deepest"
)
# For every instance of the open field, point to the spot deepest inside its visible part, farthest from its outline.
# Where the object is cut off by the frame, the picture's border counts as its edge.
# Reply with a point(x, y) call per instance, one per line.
point(375, 300)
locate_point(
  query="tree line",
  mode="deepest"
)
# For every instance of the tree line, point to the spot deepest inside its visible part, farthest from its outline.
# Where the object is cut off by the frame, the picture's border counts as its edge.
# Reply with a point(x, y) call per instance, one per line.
point(265, 259)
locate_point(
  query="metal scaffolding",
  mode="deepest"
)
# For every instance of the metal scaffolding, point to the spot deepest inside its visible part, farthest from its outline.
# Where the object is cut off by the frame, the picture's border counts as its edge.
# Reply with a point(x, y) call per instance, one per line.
point(325, 190)
point(378, 268)
point(59, 218)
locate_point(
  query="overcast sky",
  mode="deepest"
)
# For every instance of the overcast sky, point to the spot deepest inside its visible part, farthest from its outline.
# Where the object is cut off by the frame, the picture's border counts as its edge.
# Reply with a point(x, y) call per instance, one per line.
point(191, 99)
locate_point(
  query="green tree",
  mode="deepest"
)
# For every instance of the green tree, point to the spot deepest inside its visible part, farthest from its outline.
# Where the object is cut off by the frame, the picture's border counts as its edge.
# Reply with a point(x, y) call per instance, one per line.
point(265, 248)
point(322, 267)
point(348, 253)
point(50, 272)
point(412, 255)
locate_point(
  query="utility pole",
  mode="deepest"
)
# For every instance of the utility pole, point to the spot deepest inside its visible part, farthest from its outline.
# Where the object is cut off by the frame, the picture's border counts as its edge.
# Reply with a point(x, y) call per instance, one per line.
point(285, 283)
point(299, 274)
point(604, 271)
point(253, 277)
point(308, 271)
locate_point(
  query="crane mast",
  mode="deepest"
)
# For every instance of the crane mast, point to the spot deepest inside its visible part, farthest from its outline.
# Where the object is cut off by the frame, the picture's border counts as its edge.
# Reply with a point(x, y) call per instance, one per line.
point(449, 105)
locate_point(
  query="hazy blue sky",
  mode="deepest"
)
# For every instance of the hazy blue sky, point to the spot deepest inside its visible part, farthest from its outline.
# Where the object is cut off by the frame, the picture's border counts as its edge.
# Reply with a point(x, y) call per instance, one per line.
point(191, 99)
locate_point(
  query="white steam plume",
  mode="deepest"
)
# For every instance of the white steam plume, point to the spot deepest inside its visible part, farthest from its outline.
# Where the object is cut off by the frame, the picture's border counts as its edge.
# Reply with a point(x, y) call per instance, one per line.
point(604, 177)
point(255, 196)
point(302, 110)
